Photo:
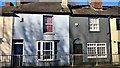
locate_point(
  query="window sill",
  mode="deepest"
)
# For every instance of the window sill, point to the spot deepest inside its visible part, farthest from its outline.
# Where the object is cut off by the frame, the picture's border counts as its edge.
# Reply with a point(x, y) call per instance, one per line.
point(94, 31)
point(93, 57)
point(49, 33)
point(48, 60)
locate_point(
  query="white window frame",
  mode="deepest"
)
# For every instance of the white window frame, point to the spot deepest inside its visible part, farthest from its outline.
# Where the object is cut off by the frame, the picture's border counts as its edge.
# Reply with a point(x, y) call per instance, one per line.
point(41, 51)
point(95, 45)
point(94, 24)
point(18, 43)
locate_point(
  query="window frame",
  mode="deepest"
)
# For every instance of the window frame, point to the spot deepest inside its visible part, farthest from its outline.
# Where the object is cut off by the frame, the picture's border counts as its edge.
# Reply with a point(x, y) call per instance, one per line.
point(92, 21)
point(96, 50)
point(117, 28)
point(47, 24)
point(42, 50)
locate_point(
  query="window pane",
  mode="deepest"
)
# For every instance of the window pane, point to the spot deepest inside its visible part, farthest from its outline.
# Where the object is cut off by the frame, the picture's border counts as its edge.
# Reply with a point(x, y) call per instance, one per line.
point(118, 24)
point(94, 24)
point(46, 46)
point(45, 19)
point(55, 50)
point(101, 51)
point(91, 51)
point(49, 20)
point(55, 45)
point(48, 50)
point(18, 48)
point(38, 45)
point(47, 54)
point(44, 28)
point(49, 28)
point(47, 24)
point(96, 48)
point(39, 54)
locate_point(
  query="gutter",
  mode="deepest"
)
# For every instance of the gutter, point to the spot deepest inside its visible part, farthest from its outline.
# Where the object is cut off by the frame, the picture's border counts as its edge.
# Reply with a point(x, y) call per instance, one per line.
point(93, 15)
point(32, 12)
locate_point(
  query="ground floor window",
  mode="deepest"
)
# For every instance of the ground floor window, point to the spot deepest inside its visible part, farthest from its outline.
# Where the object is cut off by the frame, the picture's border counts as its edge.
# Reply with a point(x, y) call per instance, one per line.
point(96, 50)
point(47, 50)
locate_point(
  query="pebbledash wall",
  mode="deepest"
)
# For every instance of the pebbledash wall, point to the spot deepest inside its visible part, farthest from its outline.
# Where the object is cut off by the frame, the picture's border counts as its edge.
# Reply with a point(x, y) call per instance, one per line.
point(31, 31)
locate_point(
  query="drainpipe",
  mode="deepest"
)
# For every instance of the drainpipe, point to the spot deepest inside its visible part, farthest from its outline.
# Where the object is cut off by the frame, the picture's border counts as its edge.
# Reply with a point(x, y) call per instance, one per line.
point(12, 47)
point(3, 28)
point(110, 40)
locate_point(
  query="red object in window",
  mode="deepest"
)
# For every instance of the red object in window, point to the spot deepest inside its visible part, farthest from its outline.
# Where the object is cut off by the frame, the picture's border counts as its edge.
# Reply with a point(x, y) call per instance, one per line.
point(49, 29)
point(49, 20)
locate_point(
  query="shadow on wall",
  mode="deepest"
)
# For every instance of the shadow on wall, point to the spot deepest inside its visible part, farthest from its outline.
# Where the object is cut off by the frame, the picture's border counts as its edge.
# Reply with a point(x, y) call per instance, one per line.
point(63, 46)
point(30, 33)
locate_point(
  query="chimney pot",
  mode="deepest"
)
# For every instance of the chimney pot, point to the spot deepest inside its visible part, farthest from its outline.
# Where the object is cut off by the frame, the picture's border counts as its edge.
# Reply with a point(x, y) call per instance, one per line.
point(96, 4)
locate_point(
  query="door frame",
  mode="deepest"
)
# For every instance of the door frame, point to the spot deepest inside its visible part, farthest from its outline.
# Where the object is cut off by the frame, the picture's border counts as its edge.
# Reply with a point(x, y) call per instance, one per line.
point(16, 41)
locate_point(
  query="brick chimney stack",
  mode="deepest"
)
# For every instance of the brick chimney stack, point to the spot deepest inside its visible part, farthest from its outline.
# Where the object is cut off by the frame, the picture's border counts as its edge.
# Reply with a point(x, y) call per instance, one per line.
point(18, 3)
point(7, 3)
point(96, 4)
point(64, 3)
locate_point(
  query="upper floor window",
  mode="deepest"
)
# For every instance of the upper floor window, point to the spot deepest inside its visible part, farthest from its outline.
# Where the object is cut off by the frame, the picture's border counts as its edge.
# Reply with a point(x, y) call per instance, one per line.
point(118, 24)
point(94, 24)
point(47, 50)
point(96, 50)
point(47, 24)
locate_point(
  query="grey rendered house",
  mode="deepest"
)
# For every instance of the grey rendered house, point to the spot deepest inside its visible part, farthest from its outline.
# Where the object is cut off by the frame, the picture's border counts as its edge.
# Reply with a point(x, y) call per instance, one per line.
point(89, 35)
point(41, 34)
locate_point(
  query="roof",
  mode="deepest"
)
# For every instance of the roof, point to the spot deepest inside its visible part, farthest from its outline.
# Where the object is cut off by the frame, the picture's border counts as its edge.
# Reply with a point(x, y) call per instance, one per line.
point(78, 10)
point(7, 10)
point(54, 7)
point(112, 11)
point(85, 11)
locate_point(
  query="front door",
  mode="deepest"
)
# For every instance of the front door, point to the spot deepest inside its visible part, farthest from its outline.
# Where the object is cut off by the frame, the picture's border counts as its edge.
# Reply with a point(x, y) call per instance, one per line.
point(17, 53)
point(78, 58)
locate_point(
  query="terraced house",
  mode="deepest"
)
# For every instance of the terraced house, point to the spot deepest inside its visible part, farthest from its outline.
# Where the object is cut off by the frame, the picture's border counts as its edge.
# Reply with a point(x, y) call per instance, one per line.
point(89, 35)
point(59, 34)
point(115, 38)
point(41, 35)
point(91, 30)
